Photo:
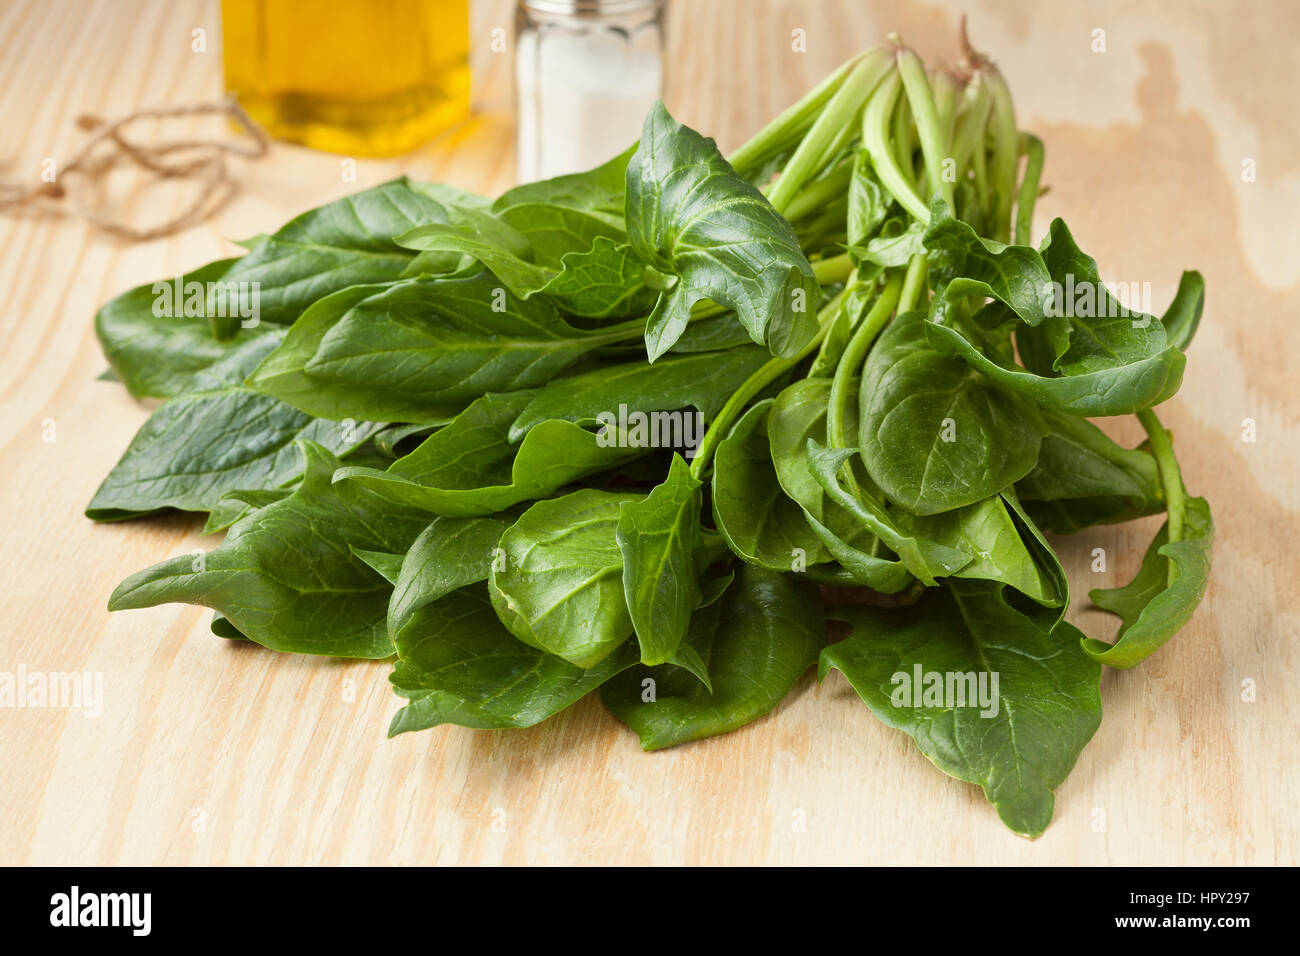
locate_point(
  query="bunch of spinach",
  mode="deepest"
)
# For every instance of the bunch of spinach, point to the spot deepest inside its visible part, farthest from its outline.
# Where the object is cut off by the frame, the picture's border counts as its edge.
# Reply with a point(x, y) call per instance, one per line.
point(421, 449)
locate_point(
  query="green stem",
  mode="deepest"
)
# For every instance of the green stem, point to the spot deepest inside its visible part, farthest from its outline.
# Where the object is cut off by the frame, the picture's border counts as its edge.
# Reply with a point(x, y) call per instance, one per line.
point(788, 127)
point(855, 353)
point(934, 142)
point(815, 196)
point(1006, 153)
point(913, 283)
point(828, 132)
point(765, 375)
point(1170, 475)
point(833, 269)
point(876, 135)
point(1032, 147)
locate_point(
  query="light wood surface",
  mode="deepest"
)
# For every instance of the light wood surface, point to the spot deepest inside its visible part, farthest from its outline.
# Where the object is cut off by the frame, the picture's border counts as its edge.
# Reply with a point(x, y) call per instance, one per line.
point(211, 753)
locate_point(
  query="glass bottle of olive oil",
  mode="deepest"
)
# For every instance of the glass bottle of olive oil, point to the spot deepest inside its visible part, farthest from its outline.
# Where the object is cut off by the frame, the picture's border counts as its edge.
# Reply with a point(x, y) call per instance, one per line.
point(372, 78)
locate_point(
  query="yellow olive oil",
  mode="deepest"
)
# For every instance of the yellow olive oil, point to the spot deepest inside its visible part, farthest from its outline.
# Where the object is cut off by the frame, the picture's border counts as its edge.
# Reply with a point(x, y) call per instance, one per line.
point(372, 78)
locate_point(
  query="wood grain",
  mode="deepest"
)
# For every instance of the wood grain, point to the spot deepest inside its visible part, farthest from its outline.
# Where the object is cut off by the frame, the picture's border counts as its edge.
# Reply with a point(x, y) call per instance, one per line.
point(210, 753)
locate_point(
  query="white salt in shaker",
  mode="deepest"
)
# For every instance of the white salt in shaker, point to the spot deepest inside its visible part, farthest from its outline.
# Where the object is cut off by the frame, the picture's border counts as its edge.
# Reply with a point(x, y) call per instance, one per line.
point(586, 73)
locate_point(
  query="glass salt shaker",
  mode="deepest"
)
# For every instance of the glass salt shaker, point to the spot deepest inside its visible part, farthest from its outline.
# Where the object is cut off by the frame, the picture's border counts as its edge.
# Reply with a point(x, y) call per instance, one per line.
point(586, 73)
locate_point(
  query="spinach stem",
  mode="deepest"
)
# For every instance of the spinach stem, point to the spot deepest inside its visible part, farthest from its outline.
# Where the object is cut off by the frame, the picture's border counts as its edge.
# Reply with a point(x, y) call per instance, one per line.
point(876, 135)
point(913, 282)
point(1006, 152)
point(1171, 476)
point(935, 144)
point(969, 133)
point(855, 353)
point(1032, 147)
point(815, 196)
point(764, 376)
point(830, 130)
point(833, 269)
point(791, 124)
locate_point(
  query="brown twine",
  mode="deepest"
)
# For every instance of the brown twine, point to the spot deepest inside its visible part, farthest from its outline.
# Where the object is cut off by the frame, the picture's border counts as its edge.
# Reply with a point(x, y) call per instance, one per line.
point(208, 167)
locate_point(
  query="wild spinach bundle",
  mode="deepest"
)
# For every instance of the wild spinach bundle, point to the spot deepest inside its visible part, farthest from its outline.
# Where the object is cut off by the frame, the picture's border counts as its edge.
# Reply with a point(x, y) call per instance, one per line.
point(649, 428)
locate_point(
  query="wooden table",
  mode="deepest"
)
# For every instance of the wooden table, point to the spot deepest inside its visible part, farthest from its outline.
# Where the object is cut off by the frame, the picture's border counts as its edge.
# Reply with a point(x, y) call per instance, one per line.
point(206, 752)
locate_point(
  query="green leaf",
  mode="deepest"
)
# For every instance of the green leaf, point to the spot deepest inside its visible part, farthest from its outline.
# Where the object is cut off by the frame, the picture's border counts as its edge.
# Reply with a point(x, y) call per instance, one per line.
point(386, 564)
point(287, 576)
point(419, 350)
point(1184, 313)
point(459, 665)
point(1057, 585)
point(471, 468)
point(757, 641)
point(599, 282)
point(155, 347)
point(893, 247)
point(1047, 700)
point(934, 435)
point(691, 218)
point(659, 539)
point(597, 195)
point(559, 586)
point(233, 505)
point(344, 243)
point(868, 201)
point(501, 248)
point(530, 232)
point(966, 264)
point(1115, 363)
point(389, 441)
point(450, 554)
point(761, 524)
point(703, 381)
point(987, 531)
point(1152, 606)
point(217, 438)
point(926, 560)
point(1083, 478)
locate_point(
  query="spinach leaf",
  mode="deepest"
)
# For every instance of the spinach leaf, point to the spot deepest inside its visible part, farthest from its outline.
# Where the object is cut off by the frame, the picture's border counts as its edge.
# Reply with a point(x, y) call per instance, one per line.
point(934, 435)
point(1184, 313)
point(502, 249)
point(924, 559)
point(707, 233)
point(703, 381)
point(987, 531)
point(715, 333)
point(1083, 478)
point(217, 438)
point(659, 539)
point(160, 356)
point(471, 468)
point(534, 232)
point(757, 641)
point(868, 202)
point(389, 441)
point(459, 665)
point(1153, 607)
point(450, 554)
point(287, 576)
point(233, 505)
point(559, 584)
point(1114, 363)
point(600, 282)
point(597, 195)
point(966, 265)
point(419, 350)
point(759, 522)
point(344, 243)
point(1042, 710)
point(387, 565)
